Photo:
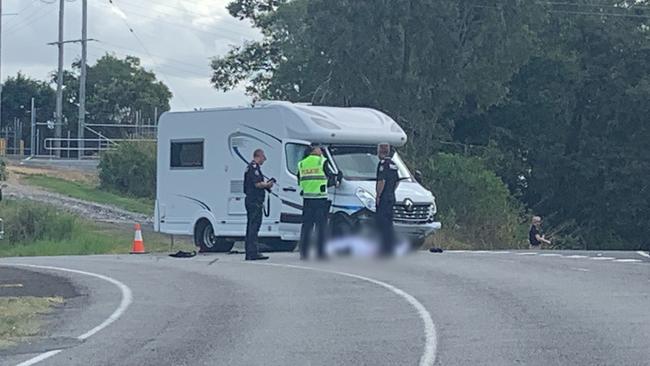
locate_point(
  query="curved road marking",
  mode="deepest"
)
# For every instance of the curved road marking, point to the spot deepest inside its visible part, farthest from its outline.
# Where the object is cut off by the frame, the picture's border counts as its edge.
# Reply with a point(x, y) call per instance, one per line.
point(643, 254)
point(127, 299)
point(428, 357)
point(41, 357)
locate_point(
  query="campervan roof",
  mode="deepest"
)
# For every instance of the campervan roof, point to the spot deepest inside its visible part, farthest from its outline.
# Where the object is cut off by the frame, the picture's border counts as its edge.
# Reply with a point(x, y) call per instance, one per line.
point(339, 124)
point(329, 125)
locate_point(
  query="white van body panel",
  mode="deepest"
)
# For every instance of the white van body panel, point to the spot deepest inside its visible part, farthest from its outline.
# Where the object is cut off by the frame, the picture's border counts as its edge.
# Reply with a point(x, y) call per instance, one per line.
point(229, 136)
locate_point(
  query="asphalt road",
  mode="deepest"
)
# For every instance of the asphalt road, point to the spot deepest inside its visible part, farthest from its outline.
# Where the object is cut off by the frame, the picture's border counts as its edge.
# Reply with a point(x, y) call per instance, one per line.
point(455, 308)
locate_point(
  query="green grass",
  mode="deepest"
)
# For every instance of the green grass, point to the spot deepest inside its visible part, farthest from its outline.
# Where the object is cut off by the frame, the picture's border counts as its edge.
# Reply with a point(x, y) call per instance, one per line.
point(89, 238)
point(22, 317)
point(36, 229)
point(88, 192)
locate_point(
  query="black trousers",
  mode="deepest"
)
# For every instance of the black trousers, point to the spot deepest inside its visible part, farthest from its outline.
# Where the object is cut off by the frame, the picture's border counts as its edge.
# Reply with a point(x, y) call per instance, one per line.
point(314, 213)
point(254, 213)
point(384, 219)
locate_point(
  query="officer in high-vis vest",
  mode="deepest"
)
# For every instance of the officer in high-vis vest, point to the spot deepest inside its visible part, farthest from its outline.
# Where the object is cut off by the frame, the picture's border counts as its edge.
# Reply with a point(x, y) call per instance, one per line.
point(314, 173)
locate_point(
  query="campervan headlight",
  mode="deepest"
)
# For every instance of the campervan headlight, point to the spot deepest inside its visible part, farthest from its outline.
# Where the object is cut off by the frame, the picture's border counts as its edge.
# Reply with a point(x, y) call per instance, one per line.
point(366, 198)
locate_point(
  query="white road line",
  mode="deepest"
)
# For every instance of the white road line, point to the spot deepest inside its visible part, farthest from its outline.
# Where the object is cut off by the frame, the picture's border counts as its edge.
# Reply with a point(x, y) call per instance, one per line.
point(550, 255)
point(643, 254)
point(602, 258)
point(480, 252)
point(39, 358)
point(575, 256)
point(580, 269)
point(528, 253)
point(428, 357)
point(457, 251)
point(127, 299)
point(628, 260)
point(499, 252)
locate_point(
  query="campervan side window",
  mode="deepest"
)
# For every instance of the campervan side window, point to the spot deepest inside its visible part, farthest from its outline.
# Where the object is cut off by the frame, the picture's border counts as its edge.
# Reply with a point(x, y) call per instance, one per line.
point(295, 153)
point(187, 154)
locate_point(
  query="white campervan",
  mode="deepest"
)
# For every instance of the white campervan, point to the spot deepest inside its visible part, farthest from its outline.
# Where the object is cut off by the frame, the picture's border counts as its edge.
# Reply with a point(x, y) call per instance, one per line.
point(202, 156)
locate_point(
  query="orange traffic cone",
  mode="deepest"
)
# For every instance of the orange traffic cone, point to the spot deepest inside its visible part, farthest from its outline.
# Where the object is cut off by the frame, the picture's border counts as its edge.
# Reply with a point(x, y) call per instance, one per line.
point(138, 243)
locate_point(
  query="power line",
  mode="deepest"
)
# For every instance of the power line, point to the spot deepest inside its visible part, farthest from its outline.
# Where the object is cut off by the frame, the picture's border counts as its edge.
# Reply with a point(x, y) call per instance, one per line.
point(577, 12)
point(31, 18)
point(158, 56)
point(639, 16)
point(184, 10)
point(168, 66)
point(144, 48)
point(185, 26)
point(593, 5)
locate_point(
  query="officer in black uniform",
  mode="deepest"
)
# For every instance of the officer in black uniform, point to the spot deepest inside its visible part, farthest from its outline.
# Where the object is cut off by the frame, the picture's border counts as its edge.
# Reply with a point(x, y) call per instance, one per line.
point(387, 180)
point(255, 189)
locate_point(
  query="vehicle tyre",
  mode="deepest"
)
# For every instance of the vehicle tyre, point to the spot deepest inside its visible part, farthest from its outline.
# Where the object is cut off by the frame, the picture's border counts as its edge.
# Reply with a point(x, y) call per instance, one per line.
point(276, 245)
point(205, 239)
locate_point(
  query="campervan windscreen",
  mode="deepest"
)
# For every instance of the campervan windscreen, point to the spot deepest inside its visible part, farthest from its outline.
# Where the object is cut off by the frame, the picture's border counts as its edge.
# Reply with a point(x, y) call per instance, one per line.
point(360, 162)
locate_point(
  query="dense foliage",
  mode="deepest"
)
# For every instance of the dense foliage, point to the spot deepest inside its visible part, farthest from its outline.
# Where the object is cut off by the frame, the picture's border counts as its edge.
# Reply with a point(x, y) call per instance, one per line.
point(130, 169)
point(475, 205)
point(27, 222)
point(553, 96)
point(117, 89)
point(17, 94)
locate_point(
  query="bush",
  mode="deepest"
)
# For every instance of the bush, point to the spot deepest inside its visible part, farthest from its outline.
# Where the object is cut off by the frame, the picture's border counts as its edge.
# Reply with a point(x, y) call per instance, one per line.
point(3, 170)
point(27, 222)
point(475, 206)
point(130, 169)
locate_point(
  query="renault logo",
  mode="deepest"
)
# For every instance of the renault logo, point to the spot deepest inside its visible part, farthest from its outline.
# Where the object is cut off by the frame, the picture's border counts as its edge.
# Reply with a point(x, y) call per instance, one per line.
point(408, 204)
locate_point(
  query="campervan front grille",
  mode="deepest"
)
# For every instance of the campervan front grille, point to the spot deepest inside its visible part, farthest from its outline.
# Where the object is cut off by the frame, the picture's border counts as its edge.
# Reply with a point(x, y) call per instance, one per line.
point(415, 214)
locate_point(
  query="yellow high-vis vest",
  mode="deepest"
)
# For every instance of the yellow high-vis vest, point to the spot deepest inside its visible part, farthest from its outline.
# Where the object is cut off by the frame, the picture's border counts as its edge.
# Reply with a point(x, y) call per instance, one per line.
point(313, 181)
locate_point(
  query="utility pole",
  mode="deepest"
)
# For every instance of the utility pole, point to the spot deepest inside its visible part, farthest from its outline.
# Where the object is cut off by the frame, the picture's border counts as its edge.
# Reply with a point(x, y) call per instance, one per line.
point(1, 80)
point(32, 142)
point(82, 80)
point(59, 84)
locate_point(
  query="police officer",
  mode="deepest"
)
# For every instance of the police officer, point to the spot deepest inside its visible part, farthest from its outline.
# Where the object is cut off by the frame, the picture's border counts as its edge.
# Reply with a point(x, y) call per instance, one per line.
point(255, 189)
point(387, 180)
point(314, 175)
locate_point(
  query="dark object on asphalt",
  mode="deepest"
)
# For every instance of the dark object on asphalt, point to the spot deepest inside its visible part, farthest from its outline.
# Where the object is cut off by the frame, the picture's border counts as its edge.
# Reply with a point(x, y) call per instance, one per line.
point(182, 254)
point(435, 250)
point(259, 257)
point(236, 252)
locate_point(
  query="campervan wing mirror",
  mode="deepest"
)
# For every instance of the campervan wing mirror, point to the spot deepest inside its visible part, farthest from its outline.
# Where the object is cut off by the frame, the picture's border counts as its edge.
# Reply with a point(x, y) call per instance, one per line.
point(418, 176)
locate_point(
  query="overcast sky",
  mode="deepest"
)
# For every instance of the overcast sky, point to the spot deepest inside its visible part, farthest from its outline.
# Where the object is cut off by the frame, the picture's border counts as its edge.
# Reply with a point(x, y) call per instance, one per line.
point(180, 35)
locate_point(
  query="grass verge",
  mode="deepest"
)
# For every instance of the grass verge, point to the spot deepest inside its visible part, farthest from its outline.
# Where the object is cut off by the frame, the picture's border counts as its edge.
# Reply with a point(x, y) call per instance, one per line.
point(21, 317)
point(89, 192)
point(88, 238)
point(35, 229)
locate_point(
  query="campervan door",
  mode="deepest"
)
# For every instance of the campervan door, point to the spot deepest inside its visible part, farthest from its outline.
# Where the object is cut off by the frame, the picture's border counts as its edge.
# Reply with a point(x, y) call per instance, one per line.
point(293, 151)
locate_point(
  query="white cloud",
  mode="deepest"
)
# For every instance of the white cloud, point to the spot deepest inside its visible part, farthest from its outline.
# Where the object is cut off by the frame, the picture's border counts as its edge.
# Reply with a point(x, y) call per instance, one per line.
point(179, 36)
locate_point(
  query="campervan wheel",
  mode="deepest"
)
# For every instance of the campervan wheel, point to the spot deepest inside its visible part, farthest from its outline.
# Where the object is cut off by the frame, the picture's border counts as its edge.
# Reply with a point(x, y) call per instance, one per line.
point(208, 242)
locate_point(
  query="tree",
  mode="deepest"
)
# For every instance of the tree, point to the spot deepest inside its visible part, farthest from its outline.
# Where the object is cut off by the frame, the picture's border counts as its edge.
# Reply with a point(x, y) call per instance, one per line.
point(552, 96)
point(117, 89)
point(16, 101)
point(414, 59)
point(577, 118)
